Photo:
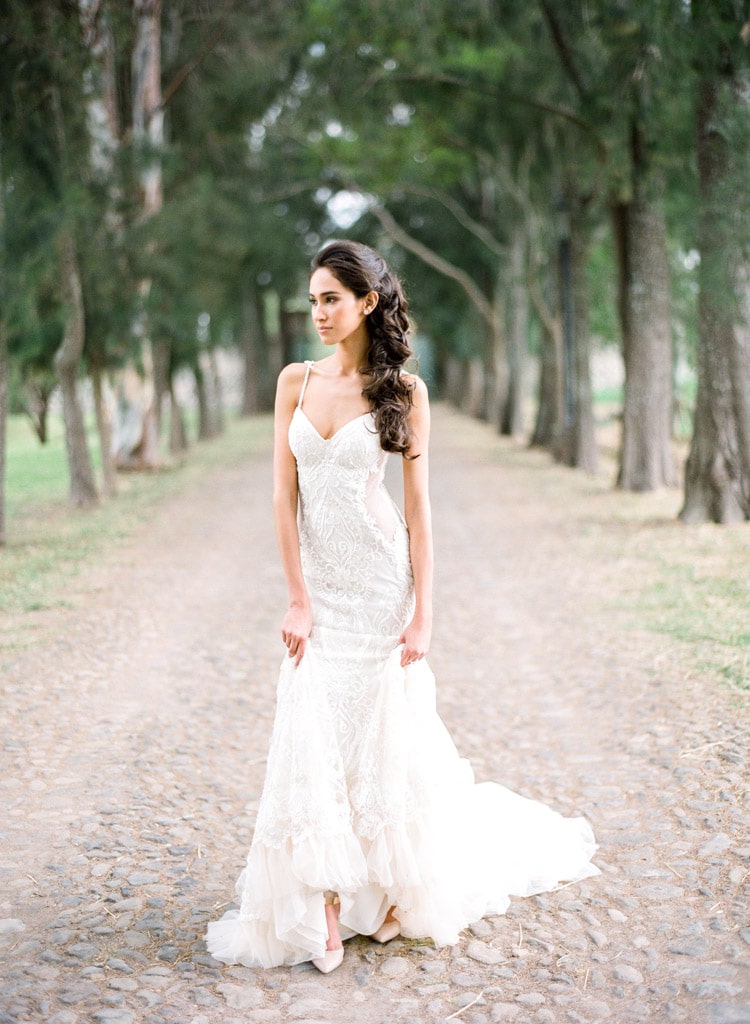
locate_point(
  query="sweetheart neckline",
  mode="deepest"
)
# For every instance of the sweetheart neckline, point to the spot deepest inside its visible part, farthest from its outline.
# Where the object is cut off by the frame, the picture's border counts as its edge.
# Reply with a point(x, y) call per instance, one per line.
point(335, 434)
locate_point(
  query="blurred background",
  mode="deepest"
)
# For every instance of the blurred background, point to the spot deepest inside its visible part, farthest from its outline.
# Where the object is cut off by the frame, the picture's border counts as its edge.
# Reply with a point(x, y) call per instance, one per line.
point(562, 186)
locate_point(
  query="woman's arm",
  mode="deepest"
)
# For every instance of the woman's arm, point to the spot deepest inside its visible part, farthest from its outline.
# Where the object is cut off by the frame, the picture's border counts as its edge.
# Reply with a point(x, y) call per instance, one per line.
point(416, 636)
point(297, 622)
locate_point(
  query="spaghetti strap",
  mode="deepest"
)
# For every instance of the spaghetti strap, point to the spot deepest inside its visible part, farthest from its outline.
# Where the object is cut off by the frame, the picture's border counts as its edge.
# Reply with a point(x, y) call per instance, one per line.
point(309, 365)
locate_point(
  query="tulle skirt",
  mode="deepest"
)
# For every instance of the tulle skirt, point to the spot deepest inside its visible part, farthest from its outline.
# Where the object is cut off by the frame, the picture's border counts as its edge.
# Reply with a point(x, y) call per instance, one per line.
point(366, 794)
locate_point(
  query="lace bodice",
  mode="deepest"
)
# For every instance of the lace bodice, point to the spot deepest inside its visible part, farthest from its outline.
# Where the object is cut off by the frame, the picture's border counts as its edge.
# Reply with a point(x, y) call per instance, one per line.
point(353, 540)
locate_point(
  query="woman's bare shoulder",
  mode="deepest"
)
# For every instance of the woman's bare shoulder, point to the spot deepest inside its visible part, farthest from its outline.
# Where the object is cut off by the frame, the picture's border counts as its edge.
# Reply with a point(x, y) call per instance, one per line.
point(419, 388)
point(292, 373)
point(289, 381)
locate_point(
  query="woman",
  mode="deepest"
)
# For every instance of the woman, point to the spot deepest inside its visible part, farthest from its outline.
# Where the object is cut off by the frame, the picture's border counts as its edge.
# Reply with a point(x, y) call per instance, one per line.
point(369, 821)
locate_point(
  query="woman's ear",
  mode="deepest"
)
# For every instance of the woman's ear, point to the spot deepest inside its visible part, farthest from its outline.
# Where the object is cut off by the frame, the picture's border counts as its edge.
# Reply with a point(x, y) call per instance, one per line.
point(371, 301)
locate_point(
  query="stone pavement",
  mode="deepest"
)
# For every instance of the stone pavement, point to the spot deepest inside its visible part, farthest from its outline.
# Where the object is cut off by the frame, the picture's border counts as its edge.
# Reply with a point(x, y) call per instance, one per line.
point(133, 748)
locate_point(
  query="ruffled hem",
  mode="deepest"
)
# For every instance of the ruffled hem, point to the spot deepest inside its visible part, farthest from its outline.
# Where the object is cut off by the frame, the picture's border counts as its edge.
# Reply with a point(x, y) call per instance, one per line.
point(454, 852)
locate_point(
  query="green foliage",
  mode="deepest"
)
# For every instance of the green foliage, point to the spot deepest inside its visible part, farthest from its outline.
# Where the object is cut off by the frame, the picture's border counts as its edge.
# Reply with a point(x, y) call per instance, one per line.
point(463, 120)
point(700, 602)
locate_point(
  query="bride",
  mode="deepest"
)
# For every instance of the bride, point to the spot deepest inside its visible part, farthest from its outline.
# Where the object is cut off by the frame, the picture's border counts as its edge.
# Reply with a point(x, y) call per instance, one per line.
point(370, 823)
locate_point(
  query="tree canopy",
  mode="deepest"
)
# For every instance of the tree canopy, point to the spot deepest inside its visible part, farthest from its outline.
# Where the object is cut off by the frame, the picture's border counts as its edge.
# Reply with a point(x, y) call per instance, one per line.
point(549, 178)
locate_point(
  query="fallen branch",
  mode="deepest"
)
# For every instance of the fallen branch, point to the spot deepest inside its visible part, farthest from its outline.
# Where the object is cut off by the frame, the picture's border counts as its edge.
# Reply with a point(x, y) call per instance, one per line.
point(468, 1005)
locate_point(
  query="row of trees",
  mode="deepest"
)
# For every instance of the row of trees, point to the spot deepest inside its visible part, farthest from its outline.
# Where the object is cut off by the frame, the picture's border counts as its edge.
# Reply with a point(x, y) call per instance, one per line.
point(166, 169)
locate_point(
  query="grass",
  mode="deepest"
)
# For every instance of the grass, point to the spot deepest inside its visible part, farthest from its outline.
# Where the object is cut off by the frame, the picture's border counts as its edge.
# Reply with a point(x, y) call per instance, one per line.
point(689, 583)
point(695, 589)
point(48, 542)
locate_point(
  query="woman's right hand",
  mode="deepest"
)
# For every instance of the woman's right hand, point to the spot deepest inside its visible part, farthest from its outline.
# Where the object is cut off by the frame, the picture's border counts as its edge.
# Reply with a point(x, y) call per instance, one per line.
point(295, 630)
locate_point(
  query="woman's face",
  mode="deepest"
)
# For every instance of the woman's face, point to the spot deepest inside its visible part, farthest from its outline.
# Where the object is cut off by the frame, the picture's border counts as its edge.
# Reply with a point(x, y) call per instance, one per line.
point(338, 314)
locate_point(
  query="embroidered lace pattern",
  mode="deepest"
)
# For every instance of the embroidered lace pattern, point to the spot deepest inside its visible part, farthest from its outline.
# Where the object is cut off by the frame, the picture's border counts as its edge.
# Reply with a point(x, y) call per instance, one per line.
point(365, 792)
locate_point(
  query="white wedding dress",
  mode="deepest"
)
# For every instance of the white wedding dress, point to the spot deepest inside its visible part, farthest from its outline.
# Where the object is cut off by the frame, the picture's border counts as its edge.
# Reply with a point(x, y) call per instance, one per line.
point(365, 793)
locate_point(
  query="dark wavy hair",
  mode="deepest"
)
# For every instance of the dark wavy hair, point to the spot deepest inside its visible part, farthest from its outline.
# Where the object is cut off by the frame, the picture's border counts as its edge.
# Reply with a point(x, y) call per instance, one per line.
point(390, 394)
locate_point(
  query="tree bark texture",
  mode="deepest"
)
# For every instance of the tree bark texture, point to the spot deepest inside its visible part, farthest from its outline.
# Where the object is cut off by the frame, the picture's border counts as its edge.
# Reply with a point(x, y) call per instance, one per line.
point(550, 402)
point(577, 446)
point(584, 453)
point(217, 393)
point(3, 417)
point(518, 321)
point(549, 415)
point(104, 427)
point(205, 425)
point(160, 352)
point(37, 395)
point(717, 475)
point(178, 439)
point(67, 364)
point(453, 380)
point(148, 113)
point(496, 382)
point(249, 346)
point(474, 388)
point(3, 347)
point(496, 375)
point(646, 460)
point(258, 384)
point(148, 135)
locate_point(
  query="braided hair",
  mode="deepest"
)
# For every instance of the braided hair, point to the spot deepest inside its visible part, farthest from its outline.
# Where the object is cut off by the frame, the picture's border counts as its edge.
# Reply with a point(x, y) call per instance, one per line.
point(390, 394)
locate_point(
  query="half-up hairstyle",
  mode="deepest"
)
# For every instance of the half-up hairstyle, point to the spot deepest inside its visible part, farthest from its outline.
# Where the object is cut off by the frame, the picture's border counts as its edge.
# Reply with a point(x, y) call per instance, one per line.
point(362, 270)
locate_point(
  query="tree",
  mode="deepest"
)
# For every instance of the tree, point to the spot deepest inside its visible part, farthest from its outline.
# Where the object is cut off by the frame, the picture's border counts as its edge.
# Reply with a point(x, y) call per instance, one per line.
point(217, 247)
point(717, 483)
point(4, 368)
point(427, 143)
point(618, 69)
point(56, 52)
point(62, 39)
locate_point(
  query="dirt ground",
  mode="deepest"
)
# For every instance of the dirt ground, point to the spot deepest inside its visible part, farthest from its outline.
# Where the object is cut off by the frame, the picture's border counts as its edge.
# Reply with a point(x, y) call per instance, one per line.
point(134, 739)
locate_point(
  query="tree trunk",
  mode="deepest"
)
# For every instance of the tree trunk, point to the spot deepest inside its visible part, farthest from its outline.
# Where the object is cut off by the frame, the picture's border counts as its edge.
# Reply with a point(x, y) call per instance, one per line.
point(551, 406)
point(641, 242)
point(3, 346)
point(178, 441)
point(496, 374)
point(549, 416)
point(37, 398)
point(148, 137)
point(3, 407)
point(496, 383)
point(474, 388)
point(217, 393)
point(249, 347)
point(287, 336)
point(717, 479)
point(67, 362)
point(205, 430)
point(518, 321)
point(455, 378)
point(160, 351)
point(578, 443)
point(104, 427)
point(258, 386)
point(148, 113)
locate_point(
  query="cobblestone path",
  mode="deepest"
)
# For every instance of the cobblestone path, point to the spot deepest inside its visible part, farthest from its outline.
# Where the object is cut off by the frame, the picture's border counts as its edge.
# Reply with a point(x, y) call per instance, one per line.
point(133, 746)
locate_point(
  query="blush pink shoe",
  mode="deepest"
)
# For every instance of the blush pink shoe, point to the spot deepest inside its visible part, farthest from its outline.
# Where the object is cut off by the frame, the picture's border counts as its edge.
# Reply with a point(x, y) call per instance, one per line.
point(332, 958)
point(387, 931)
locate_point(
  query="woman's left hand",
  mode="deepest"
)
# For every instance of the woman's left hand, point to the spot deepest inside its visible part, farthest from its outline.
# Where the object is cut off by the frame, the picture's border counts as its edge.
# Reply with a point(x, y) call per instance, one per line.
point(416, 641)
